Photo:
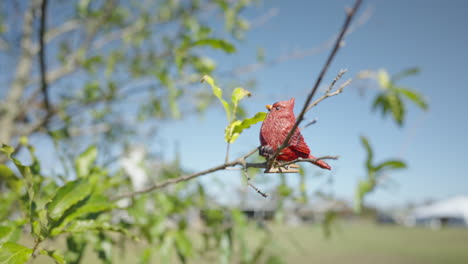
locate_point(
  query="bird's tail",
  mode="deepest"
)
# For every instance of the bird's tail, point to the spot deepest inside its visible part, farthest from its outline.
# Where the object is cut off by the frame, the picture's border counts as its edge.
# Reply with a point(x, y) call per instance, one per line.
point(322, 164)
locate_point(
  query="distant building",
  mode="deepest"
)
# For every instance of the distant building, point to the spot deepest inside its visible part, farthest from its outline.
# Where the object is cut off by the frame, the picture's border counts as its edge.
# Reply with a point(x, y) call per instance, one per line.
point(449, 212)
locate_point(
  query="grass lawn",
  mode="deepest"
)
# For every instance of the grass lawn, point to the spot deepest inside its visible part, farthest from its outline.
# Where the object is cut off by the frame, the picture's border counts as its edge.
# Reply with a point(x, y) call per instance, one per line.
point(358, 243)
point(369, 243)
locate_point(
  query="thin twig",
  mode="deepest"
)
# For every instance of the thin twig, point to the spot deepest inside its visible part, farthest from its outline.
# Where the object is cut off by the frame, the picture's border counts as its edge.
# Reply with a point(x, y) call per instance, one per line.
point(240, 161)
point(265, 195)
point(328, 94)
point(309, 124)
point(228, 146)
point(42, 55)
point(300, 117)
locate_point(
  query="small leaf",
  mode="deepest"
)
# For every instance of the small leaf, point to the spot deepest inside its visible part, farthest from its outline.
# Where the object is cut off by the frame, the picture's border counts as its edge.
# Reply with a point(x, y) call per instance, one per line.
point(225, 250)
point(405, 73)
point(364, 187)
point(55, 255)
point(381, 101)
point(219, 94)
point(5, 233)
point(9, 177)
point(95, 204)
point(237, 96)
point(8, 150)
point(414, 96)
point(183, 245)
point(370, 153)
point(390, 164)
point(85, 161)
point(88, 225)
point(234, 130)
point(216, 44)
point(67, 196)
point(397, 108)
point(12, 253)
point(383, 78)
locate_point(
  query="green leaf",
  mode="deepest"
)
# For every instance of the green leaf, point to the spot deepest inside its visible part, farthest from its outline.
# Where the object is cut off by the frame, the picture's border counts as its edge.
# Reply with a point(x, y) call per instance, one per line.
point(364, 187)
point(391, 164)
point(225, 250)
point(219, 94)
point(67, 196)
point(85, 161)
point(9, 177)
point(405, 73)
point(183, 245)
point(95, 204)
point(414, 96)
point(237, 96)
point(370, 153)
point(234, 129)
point(89, 225)
point(216, 44)
point(12, 253)
point(8, 150)
point(5, 233)
point(397, 107)
point(383, 78)
point(327, 223)
point(381, 101)
point(55, 255)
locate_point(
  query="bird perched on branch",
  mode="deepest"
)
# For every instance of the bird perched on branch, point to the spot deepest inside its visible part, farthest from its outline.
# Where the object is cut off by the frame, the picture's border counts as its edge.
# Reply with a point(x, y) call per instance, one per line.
point(274, 130)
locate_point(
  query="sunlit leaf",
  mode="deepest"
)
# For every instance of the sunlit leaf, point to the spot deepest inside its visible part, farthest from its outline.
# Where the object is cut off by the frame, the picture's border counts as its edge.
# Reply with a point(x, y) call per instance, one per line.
point(67, 196)
point(390, 164)
point(364, 187)
point(5, 233)
point(9, 177)
point(237, 95)
point(85, 161)
point(55, 255)
point(234, 130)
point(216, 44)
point(405, 73)
point(383, 78)
point(219, 94)
point(414, 96)
point(370, 153)
point(12, 253)
point(95, 204)
point(183, 245)
point(397, 107)
point(7, 150)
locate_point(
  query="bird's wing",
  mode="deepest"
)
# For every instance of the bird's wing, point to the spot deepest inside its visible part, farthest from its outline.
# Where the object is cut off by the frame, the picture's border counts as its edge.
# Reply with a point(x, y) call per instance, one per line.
point(262, 140)
point(298, 144)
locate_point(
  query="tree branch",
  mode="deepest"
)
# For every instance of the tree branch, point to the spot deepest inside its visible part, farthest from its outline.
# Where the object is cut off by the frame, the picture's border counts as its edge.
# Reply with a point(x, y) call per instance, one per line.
point(10, 109)
point(300, 117)
point(42, 55)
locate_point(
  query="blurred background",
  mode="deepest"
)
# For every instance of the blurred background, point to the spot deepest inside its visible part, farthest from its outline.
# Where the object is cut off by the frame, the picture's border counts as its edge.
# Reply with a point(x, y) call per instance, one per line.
point(101, 100)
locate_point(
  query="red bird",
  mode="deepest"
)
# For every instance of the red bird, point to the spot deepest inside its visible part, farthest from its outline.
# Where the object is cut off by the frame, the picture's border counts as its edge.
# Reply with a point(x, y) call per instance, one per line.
point(276, 127)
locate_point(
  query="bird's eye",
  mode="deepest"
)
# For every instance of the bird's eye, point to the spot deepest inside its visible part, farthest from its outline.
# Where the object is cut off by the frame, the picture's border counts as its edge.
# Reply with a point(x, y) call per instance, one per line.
point(278, 108)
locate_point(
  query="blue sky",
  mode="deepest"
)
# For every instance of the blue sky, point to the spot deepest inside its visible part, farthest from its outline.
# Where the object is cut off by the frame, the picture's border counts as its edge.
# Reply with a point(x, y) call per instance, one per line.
point(399, 34)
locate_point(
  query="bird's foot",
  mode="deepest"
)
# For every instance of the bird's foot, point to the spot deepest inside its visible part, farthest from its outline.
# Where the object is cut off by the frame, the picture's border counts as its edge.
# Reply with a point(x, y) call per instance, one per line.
point(266, 151)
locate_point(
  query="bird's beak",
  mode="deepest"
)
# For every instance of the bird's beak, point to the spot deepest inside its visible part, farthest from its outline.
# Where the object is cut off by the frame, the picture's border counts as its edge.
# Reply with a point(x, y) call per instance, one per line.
point(268, 107)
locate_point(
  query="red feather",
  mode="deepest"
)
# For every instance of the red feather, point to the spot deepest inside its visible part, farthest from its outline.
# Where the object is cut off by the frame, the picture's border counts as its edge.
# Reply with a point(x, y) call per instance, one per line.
point(276, 127)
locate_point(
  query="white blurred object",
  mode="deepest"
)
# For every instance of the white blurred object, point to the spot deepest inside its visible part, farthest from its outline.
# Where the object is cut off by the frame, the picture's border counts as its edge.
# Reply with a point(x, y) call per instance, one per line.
point(132, 163)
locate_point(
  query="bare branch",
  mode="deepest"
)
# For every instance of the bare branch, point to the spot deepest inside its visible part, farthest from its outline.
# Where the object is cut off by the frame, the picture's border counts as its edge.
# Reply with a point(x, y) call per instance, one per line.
point(239, 161)
point(329, 94)
point(10, 108)
point(265, 195)
point(300, 117)
point(42, 55)
point(299, 53)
